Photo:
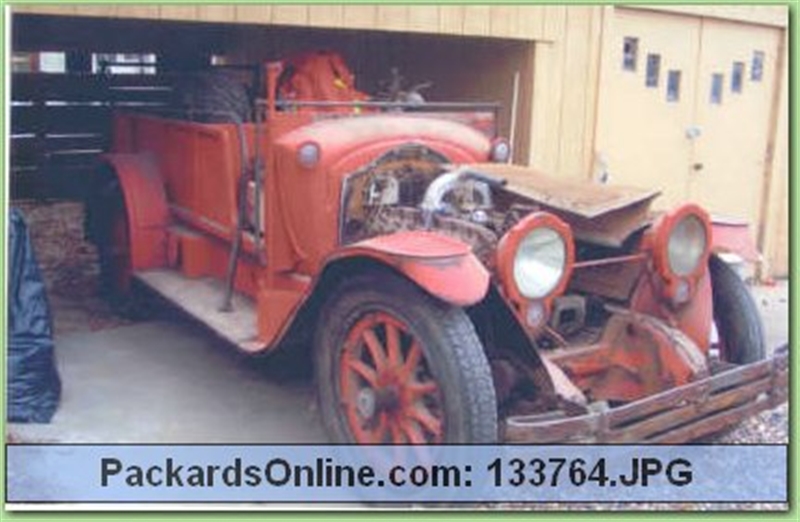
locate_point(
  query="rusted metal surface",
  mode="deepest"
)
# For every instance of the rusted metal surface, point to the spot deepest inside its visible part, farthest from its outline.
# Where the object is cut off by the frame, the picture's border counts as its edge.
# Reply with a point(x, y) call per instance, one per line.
point(587, 200)
point(681, 414)
point(602, 214)
point(637, 356)
point(442, 265)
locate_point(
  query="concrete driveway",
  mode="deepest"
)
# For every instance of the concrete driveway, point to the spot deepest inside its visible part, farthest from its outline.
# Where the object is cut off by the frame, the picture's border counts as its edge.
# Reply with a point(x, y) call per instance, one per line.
point(173, 381)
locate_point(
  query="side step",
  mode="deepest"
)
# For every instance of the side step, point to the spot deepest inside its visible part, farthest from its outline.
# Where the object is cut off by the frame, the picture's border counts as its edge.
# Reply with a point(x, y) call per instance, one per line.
point(201, 298)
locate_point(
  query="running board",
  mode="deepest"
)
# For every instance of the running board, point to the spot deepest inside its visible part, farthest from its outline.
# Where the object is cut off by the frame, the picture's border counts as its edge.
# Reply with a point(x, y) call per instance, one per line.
point(202, 298)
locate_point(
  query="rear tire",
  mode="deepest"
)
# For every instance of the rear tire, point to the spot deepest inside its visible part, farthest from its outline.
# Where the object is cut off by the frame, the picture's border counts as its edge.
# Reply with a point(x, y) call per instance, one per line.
point(394, 365)
point(736, 316)
point(213, 97)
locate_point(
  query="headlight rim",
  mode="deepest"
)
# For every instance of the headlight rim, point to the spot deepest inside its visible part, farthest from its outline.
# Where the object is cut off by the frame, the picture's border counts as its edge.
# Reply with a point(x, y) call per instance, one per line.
point(510, 243)
point(665, 229)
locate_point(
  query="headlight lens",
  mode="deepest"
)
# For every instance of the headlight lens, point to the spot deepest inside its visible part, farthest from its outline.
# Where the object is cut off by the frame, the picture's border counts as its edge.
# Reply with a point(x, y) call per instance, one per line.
point(686, 245)
point(539, 262)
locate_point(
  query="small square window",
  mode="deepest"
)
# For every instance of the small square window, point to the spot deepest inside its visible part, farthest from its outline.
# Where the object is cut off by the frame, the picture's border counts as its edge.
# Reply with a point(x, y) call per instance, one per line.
point(653, 70)
point(717, 81)
point(757, 68)
point(737, 77)
point(673, 86)
point(630, 53)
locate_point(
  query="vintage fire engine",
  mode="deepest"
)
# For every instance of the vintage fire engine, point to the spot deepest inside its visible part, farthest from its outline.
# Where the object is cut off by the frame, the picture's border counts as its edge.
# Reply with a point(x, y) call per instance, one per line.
point(447, 296)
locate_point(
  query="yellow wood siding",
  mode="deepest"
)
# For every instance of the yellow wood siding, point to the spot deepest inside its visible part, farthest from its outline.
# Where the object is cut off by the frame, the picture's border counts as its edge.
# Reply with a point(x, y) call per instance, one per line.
point(504, 21)
point(776, 15)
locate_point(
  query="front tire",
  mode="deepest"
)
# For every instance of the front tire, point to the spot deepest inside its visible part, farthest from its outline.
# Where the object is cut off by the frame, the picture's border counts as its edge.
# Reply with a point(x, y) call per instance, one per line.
point(736, 316)
point(394, 365)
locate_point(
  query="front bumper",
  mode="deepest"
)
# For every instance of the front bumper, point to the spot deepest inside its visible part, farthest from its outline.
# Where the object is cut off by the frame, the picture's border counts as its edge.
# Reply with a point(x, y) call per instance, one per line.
point(679, 415)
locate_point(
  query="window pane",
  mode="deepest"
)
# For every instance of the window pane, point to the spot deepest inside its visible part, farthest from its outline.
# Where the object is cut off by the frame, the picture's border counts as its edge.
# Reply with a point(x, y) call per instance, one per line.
point(630, 51)
point(653, 70)
point(673, 86)
point(737, 76)
point(717, 81)
point(757, 69)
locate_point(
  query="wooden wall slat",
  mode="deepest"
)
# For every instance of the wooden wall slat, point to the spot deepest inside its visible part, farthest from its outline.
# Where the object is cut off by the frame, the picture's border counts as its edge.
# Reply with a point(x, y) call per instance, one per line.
point(393, 17)
point(451, 19)
point(177, 12)
point(503, 20)
point(137, 11)
point(253, 13)
point(326, 16)
point(290, 14)
point(423, 18)
point(575, 89)
point(217, 13)
point(360, 16)
point(531, 22)
point(476, 20)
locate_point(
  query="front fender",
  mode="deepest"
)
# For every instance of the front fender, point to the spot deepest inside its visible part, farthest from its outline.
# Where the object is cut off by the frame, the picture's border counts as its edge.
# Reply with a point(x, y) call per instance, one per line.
point(733, 236)
point(443, 266)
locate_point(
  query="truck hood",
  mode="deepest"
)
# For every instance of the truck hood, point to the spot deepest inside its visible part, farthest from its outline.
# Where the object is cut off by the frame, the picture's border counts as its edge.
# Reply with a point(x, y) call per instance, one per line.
point(601, 214)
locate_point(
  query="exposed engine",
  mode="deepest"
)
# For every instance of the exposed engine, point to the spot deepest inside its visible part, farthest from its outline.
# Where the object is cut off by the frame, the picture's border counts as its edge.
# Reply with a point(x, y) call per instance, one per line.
point(411, 189)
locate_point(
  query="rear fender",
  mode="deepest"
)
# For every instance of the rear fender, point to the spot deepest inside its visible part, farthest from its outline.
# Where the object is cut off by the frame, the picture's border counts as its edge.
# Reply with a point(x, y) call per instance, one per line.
point(444, 267)
point(146, 205)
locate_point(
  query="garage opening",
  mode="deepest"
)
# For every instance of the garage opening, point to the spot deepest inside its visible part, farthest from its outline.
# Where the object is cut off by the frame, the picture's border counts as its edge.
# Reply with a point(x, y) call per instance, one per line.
point(71, 73)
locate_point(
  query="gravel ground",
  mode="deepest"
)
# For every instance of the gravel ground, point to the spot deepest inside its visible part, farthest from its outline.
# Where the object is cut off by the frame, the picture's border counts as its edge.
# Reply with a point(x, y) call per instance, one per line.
point(69, 266)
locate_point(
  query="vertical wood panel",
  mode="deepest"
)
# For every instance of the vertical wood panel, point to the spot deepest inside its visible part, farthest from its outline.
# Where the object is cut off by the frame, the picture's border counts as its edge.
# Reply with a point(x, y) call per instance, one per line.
point(531, 22)
point(290, 14)
point(451, 19)
point(476, 20)
point(101, 10)
point(217, 13)
point(594, 46)
point(326, 15)
point(360, 16)
point(503, 20)
point(548, 92)
point(423, 18)
point(576, 87)
point(177, 12)
point(45, 9)
point(137, 11)
point(775, 219)
point(253, 13)
point(393, 17)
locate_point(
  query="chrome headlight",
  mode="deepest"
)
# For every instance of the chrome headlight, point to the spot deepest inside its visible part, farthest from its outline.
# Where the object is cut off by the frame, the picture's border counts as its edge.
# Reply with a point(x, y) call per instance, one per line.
point(686, 245)
point(539, 262)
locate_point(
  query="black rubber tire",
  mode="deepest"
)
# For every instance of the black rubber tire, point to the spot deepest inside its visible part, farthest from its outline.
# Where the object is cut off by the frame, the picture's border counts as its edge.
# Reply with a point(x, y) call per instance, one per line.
point(736, 315)
point(448, 341)
point(213, 97)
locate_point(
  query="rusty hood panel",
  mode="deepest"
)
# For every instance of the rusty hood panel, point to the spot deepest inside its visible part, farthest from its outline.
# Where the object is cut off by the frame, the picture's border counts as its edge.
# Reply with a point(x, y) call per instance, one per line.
point(604, 214)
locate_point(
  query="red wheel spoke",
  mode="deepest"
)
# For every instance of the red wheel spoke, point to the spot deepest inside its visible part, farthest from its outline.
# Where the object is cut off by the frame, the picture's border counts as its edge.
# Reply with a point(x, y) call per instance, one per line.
point(375, 349)
point(412, 360)
point(422, 388)
point(369, 374)
point(397, 435)
point(393, 344)
point(412, 432)
point(380, 430)
point(426, 420)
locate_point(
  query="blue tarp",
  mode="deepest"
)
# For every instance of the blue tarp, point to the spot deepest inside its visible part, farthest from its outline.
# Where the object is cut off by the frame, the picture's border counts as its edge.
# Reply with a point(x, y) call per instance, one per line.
point(34, 387)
